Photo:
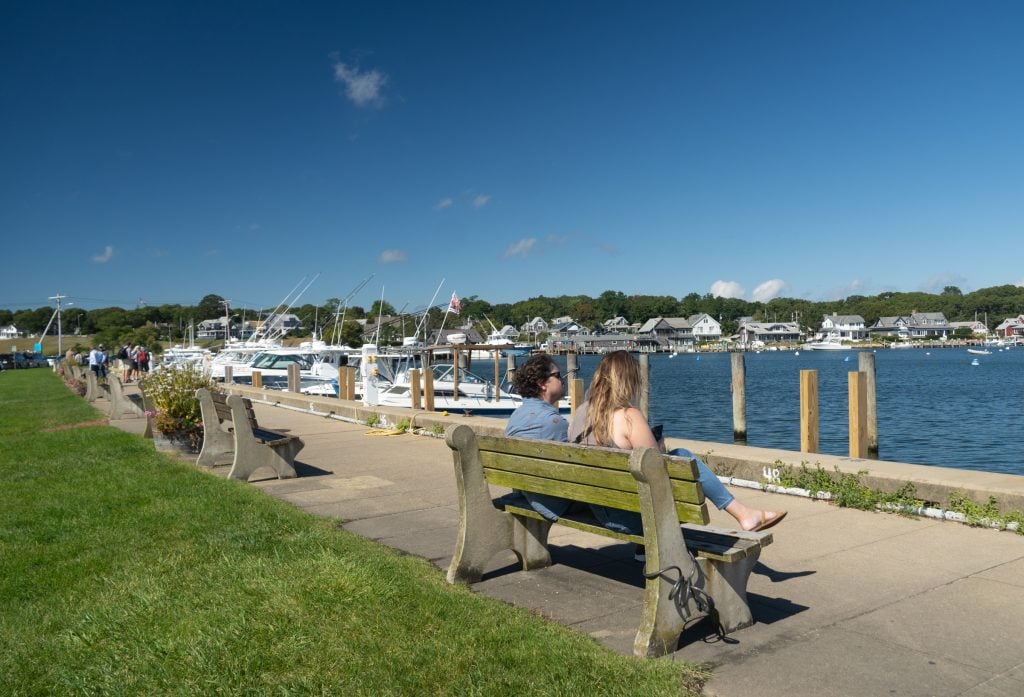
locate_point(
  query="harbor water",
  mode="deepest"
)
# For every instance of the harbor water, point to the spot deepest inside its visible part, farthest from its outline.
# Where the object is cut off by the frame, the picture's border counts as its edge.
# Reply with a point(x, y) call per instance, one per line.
point(934, 406)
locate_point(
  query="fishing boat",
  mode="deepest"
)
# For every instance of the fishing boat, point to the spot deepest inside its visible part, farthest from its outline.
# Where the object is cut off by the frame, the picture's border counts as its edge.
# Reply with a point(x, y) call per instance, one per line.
point(829, 343)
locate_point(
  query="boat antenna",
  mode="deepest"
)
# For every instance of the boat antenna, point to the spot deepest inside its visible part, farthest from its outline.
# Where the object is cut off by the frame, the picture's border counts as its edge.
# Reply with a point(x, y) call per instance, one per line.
point(423, 320)
point(279, 332)
point(339, 316)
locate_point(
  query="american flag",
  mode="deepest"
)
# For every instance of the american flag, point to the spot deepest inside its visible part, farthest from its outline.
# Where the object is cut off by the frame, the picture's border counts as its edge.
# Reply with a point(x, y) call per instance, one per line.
point(455, 306)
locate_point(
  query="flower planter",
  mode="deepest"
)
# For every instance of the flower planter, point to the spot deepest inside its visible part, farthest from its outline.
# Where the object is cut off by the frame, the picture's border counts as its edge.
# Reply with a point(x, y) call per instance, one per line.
point(179, 443)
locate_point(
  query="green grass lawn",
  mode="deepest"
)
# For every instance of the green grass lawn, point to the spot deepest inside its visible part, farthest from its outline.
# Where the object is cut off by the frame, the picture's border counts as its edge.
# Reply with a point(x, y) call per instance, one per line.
point(124, 571)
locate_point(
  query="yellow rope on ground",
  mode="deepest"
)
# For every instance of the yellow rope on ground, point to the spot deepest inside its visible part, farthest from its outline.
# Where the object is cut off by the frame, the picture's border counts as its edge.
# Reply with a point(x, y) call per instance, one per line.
point(383, 432)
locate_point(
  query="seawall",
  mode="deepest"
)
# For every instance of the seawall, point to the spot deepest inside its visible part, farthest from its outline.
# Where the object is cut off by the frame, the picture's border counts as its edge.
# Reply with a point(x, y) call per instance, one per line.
point(933, 484)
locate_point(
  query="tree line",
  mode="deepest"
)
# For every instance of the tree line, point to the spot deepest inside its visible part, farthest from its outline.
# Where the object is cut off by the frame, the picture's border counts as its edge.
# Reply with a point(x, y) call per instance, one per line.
point(170, 323)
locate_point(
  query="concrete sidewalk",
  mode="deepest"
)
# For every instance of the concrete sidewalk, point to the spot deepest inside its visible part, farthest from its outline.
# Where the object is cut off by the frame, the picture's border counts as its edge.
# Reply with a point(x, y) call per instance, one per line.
point(846, 602)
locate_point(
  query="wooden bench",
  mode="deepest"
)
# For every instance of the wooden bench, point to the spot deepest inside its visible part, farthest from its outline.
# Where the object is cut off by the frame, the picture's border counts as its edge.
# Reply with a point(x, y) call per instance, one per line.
point(664, 490)
point(230, 429)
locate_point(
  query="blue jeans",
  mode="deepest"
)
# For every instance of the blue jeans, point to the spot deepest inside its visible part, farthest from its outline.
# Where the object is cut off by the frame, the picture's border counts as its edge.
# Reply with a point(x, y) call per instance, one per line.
point(713, 489)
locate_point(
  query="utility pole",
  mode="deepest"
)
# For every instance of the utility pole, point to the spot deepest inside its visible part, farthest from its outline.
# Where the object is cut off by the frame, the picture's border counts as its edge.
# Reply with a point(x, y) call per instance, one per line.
point(60, 349)
point(227, 320)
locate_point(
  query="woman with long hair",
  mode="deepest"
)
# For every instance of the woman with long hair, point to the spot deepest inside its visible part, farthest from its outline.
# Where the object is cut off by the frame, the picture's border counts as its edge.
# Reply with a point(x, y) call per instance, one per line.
point(609, 418)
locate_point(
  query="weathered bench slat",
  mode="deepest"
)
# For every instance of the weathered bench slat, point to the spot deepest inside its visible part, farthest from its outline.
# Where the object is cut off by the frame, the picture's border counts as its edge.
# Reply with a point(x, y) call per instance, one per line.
point(627, 501)
point(592, 456)
point(557, 470)
point(684, 490)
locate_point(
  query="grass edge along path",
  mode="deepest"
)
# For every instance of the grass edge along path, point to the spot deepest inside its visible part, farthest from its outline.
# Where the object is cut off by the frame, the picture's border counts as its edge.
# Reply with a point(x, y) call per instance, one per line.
point(123, 571)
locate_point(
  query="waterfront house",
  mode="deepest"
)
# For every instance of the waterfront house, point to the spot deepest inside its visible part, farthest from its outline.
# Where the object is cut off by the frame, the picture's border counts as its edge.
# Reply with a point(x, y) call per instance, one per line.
point(9, 332)
point(216, 328)
point(918, 325)
point(615, 325)
point(768, 332)
point(537, 325)
point(974, 327)
point(677, 332)
point(1010, 327)
point(567, 329)
point(848, 327)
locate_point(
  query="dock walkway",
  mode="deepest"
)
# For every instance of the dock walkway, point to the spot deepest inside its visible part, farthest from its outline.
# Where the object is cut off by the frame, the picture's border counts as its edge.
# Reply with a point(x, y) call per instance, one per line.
point(847, 602)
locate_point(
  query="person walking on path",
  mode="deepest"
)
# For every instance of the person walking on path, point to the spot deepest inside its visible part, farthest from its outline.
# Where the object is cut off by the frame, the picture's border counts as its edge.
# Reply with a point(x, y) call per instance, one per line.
point(609, 418)
point(98, 362)
point(126, 369)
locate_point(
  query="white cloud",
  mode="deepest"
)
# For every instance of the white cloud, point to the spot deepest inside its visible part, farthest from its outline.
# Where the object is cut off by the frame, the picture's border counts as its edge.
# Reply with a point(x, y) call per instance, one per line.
point(390, 256)
point(481, 200)
point(521, 249)
point(443, 203)
point(103, 258)
point(726, 289)
point(363, 89)
point(768, 290)
point(854, 287)
point(938, 282)
point(1019, 283)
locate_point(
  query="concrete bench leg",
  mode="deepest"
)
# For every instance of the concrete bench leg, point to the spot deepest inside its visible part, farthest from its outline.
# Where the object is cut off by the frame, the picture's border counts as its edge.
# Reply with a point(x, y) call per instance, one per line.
point(530, 542)
point(218, 444)
point(120, 406)
point(483, 530)
point(726, 583)
point(660, 623)
point(91, 386)
point(250, 455)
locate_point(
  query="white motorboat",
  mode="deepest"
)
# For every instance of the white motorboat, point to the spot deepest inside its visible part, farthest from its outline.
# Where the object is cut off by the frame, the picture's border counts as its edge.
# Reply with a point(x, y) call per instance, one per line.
point(829, 343)
point(186, 355)
point(979, 352)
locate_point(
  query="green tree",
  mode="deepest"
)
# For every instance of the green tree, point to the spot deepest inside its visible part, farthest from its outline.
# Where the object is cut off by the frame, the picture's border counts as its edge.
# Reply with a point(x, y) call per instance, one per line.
point(209, 307)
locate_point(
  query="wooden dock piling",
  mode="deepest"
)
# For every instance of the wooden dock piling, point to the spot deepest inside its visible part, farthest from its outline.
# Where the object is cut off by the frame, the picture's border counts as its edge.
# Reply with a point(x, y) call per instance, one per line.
point(739, 398)
point(808, 411)
point(866, 365)
point(858, 414)
point(414, 384)
point(645, 385)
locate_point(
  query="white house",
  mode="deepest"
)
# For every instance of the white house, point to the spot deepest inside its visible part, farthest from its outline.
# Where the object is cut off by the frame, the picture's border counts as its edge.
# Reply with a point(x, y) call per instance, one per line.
point(849, 327)
point(9, 332)
point(213, 328)
point(682, 330)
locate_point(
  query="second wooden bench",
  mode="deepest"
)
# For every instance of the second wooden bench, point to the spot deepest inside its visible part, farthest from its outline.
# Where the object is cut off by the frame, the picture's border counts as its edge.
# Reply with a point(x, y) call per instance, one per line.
point(230, 431)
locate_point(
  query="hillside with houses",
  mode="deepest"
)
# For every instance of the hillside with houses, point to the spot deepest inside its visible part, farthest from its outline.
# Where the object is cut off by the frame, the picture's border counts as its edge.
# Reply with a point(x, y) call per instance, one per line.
point(613, 319)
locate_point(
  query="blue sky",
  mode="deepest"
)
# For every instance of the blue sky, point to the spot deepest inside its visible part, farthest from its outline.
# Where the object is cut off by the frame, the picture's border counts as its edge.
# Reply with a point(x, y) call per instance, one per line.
point(163, 151)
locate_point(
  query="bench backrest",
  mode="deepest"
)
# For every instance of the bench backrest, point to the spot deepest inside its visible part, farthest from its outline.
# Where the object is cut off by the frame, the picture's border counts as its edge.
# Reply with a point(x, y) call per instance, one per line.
point(223, 409)
point(582, 473)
